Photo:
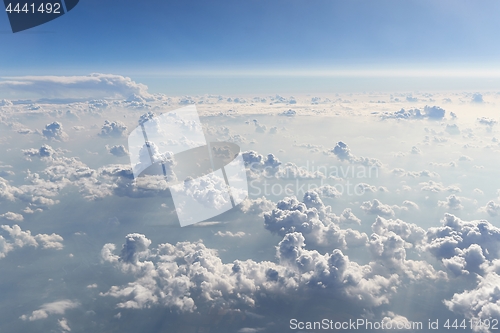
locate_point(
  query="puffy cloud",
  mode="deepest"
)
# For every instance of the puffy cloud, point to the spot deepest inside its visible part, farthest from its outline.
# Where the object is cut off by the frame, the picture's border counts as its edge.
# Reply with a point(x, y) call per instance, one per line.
point(280, 99)
point(451, 164)
point(432, 186)
point(468, 260)
point(250, 157)
point(477, 98)
point(78, 87)
point(118, 150)
point(398, 172)
point(43, 151)
point(150, 153)
point(465, 158)
point(412, 234)
point(239, 234)
point(423, 173)
point(314, 220)
point(54, 131)
point(118, 179)
point(52, 241)
point(288, 113)
point(135, 247)
point(210, 191)
point(187, 100)
point(347, 216)
point(464, 247)
point(271, 166)
point(6, 173)
point(258, 164)
point(389, 256)
point(7, 191)
point(98, 104)
point(434, 112)
point(331, 270)
point(5, 102)
point(410, 204)
point(186, 275)
point(429, 112)
point(394, 320)
point(54, 308)
point(5, 247)
point(63, 323)
point(256, 206)
point(388, 245)
point(259, 128)
point(328, 191)
point(222, 152)
point(487, 121)
point(93, 184)
point(12, 216)
point(492, 208)
point(452, 129)
point(112, 129)
point(477, 191)
point(20, 238)
point(471, 248)
point(480, 303)
point(343, 153)
point(60, 172)
point(452, 202)
point(403, 114)
point(364, 187)
point(415, 150)
point(377, 208)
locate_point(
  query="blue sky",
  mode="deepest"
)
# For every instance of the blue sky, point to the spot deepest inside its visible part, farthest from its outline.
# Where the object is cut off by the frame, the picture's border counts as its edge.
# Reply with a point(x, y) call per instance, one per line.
point(228, 37)
point(193, 47)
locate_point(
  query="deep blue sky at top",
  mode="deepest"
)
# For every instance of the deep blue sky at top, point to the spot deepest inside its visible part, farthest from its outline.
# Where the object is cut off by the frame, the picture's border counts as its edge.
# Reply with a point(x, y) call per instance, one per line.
point(158, 36)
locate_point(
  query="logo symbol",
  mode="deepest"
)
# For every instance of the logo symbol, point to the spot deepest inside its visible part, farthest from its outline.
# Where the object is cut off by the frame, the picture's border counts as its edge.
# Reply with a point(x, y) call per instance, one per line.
point(205, 179)
point(26, 14)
